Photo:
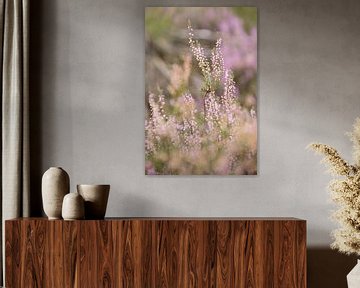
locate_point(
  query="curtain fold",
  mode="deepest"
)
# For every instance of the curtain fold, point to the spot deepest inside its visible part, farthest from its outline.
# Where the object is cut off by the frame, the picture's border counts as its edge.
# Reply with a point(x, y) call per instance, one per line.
point(15, 111)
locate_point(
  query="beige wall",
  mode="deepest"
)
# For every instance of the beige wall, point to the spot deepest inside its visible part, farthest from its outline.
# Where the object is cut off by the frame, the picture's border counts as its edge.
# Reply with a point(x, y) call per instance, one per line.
point(87, 89)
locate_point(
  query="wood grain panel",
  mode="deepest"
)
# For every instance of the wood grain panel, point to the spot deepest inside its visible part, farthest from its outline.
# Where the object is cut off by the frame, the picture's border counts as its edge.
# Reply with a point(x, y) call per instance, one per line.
point(116, 231)
point(162, 258)
point(128, 258)
point(193, 231)
point(88, 254)
point(55, 269)
point(244, 237)
point(173, 247)
point(301, 254)
point(12, 251)
point(71, 247)
point(105, 258)
point(224, 256)
point(32, 257)
point(210, 254)
point(285, 254)
point(204, 253)
point(268, 263)
point(147, 260)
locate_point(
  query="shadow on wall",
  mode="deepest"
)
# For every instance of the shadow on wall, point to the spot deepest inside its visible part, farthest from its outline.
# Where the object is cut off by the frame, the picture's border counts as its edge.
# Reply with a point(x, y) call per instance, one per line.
point(328, 268)
point(139, 207)
point(35, 64)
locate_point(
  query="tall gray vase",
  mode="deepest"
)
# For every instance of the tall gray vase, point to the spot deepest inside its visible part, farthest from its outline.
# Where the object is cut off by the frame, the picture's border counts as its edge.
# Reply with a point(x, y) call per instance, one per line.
point(55, 185)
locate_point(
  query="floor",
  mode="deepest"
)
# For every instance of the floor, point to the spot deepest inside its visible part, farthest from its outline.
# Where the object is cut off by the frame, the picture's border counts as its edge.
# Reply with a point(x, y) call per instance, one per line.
point(328, 268)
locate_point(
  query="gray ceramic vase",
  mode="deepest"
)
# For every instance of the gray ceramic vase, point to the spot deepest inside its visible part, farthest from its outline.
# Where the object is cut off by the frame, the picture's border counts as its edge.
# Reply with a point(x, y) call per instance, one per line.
point(73, 207)
point(96, 198)
point(55, 185)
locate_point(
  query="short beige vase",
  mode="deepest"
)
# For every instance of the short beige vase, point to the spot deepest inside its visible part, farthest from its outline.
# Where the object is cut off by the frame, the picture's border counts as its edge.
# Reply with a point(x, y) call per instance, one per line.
point(55, 185)
point(353, 278)
point(96, 198)
point(73, 207)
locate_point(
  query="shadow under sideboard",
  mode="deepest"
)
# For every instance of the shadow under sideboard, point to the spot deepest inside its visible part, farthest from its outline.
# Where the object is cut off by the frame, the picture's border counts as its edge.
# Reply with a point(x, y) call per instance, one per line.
point(328, 268)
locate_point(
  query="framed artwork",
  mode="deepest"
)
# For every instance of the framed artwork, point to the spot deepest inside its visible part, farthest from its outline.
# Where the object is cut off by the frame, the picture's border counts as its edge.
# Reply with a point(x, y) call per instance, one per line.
point(201, 91)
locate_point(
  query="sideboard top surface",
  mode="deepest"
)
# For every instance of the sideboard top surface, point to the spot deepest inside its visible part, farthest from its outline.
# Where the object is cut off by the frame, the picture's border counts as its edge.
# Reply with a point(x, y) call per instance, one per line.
point(174, 219)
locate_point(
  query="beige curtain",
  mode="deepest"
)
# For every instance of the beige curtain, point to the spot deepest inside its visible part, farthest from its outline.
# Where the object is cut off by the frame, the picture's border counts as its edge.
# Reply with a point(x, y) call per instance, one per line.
point(14, 25)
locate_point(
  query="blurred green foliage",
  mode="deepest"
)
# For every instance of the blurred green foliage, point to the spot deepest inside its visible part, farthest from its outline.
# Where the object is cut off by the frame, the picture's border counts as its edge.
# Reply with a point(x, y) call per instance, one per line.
point(157, 24)
point(248, 14)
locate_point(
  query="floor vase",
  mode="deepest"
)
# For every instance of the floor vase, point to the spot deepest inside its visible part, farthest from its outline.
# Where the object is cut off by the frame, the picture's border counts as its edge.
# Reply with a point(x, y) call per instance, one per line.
point(353, 278)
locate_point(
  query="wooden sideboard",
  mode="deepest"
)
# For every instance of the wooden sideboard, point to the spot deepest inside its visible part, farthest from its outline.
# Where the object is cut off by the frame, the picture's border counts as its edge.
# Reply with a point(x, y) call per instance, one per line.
point(156, 252)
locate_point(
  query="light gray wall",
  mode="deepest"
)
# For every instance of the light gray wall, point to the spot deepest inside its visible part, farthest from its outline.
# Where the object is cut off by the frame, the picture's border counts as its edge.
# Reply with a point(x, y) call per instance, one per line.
point(90, 95)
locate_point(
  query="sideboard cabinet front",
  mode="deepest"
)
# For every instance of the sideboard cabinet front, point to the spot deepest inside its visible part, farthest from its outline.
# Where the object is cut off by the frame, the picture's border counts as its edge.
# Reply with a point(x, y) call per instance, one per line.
point(156, 253)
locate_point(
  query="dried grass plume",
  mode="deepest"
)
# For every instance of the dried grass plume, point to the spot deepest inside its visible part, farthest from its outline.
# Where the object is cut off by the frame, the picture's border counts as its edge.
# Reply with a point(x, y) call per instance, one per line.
point(345, 192)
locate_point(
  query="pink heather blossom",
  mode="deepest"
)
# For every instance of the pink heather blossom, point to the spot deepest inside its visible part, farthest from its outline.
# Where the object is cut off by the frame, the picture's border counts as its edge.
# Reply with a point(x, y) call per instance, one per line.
point(215, 136)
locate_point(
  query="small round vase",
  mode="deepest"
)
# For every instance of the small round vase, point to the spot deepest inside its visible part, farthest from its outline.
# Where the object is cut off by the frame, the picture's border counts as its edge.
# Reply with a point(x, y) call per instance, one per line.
point(55, 185)
point(96, 198)
point(73, 207)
